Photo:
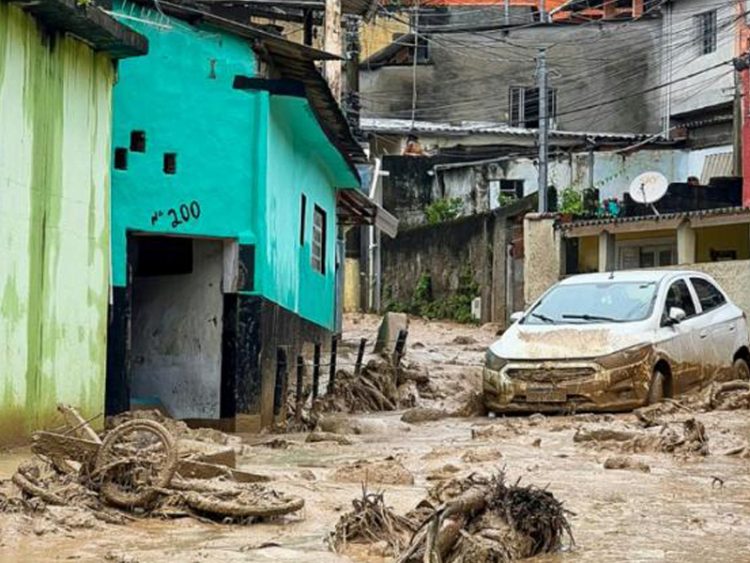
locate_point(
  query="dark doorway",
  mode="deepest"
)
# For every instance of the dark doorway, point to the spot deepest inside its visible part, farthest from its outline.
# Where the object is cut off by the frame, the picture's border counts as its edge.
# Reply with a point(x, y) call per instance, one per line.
point(176, 328)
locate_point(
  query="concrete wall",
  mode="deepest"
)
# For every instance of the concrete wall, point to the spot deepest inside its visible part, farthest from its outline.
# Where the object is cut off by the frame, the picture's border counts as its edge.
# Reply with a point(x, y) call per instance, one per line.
point(472, 73)
point(186, 105)
point(243, 161)
point(286, 274)
point(177, 329)
point(55, 114)
point(543, 258)
point(680, 30)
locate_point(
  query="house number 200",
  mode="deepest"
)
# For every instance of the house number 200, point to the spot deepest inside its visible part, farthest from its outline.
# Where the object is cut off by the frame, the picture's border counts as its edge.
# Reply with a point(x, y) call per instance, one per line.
point(184, 213)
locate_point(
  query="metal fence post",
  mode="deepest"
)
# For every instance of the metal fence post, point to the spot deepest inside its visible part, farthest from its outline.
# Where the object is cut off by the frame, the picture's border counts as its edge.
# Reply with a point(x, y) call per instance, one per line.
point(332, 367)
point(398, 352)
point(360, 356)
point(300, 373)
point(316, 372)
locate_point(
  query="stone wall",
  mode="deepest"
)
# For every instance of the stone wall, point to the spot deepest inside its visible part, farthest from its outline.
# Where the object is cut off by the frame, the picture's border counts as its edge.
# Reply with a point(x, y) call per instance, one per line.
point(476, 244)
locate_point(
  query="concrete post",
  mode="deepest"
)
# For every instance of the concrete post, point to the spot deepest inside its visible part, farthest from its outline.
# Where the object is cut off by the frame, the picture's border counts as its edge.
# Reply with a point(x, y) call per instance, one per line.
point(542, 266)
point(607, 252)
point(685, 244)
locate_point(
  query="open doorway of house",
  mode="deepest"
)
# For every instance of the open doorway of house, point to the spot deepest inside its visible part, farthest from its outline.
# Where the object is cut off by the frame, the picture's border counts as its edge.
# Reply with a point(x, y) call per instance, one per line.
point(176, 327)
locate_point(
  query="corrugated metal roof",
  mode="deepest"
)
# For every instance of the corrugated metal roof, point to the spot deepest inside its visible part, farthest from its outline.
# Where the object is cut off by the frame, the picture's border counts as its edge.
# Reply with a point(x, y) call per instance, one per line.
point(719, 165)
point(405, 127)
point(293, 62)
point(663, 217)
point(89, 23)
point(185, 10)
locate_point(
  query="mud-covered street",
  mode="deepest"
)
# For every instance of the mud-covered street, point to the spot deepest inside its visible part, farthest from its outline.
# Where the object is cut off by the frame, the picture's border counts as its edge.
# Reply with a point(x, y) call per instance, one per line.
point(667, 493)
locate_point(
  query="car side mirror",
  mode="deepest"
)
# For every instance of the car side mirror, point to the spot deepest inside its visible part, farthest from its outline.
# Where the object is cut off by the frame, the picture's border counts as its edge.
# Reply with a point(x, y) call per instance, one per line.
point(517, 316)
point(676, 315)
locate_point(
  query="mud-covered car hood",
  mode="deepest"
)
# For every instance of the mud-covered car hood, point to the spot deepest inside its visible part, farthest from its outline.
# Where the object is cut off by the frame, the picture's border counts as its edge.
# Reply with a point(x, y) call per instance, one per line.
point(539, 342)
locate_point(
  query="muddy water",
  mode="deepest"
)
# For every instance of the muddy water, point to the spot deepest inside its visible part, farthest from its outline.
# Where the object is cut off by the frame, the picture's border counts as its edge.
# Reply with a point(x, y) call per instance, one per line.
point(676, 512)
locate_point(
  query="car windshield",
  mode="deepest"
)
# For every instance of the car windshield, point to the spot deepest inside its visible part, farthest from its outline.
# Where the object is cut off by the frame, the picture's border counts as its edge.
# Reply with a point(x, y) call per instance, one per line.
point(585, 303)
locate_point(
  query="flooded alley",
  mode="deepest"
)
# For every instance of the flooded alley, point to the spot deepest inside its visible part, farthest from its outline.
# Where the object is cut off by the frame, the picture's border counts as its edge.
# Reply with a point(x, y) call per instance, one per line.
point(663, 506)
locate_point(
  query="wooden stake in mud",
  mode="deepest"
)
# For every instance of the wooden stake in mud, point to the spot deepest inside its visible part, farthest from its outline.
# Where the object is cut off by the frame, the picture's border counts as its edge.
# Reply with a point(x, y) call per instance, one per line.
point(332, 367)
point(398, 351)
point(360, 356)
point(316, 372)
point(300, 373)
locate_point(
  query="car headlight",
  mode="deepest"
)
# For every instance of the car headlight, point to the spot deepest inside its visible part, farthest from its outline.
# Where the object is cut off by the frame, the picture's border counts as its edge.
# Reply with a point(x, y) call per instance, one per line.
point(493, 362)
point(626, 357)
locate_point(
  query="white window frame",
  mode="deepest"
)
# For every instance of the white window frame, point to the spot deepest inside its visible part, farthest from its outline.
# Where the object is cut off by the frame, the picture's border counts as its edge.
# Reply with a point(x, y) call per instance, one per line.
point(650, 244)
point(318, 243)
point(708, 32)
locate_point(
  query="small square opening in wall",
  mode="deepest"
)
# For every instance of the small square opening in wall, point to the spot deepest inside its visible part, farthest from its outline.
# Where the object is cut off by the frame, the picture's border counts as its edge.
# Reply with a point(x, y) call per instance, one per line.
point(138, 141)
point(170, 162)
point(121, 158)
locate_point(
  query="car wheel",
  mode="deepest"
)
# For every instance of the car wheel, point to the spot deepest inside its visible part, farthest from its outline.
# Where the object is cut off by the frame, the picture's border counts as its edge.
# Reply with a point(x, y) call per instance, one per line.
point(656, 391)
point(741, 369)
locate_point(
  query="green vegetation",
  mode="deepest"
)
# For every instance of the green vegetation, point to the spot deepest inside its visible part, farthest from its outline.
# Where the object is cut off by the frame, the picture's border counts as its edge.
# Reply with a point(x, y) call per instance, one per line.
point(443, 210)
point(456, 307)
point(504, 199)
point(571, 201)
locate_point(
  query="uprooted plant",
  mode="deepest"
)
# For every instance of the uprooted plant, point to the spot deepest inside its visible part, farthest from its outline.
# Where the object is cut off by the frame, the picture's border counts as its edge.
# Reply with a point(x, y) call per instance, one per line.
point(371, 521)
point(471, 519)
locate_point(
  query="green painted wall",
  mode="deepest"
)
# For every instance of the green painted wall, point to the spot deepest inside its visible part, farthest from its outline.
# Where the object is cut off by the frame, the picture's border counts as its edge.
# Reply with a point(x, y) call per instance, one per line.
point(55, 115)
point(181, 96)
point(245, 158)
point(287, 275)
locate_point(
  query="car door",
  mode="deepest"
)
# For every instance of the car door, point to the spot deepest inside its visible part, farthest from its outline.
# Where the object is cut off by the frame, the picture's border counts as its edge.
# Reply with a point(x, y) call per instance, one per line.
point(679, 342)
point(719, 325)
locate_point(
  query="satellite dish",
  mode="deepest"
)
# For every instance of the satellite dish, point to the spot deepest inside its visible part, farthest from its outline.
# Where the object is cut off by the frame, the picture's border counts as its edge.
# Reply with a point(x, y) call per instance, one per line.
point(649, 188)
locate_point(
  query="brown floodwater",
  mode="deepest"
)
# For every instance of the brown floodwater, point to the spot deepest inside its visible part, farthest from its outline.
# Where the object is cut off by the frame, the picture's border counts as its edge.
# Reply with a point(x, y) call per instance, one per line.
point(676, 512)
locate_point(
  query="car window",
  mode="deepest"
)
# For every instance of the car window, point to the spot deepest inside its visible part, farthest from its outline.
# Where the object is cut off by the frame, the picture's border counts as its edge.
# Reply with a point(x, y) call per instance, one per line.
point(708, 294)
point(594, 303)
point(679, 296)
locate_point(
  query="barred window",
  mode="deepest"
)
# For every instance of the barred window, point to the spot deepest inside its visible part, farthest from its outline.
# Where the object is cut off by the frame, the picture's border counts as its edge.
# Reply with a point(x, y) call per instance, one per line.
point(319, 240)
point(707, 32)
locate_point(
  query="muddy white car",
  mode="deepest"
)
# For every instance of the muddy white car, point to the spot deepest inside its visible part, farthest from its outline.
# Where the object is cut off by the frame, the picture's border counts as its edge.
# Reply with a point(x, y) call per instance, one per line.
point(616, 341)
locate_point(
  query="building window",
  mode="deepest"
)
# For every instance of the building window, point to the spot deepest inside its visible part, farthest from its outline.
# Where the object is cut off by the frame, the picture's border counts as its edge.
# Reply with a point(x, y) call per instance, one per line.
point(138, 141)
point(302, 212)
point(707, 32)
point(170, 163)
point(319, 240)
point(512, 188)
point(524, 106)
point(655, 255)
point(121, 158)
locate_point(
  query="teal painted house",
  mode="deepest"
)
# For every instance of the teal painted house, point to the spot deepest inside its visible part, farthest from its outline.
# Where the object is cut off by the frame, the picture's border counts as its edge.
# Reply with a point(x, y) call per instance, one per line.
point(230, 171)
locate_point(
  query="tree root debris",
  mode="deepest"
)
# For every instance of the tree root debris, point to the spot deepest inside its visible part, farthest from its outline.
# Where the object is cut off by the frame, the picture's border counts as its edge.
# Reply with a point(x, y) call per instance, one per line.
point(476, 519)
point(371, 521)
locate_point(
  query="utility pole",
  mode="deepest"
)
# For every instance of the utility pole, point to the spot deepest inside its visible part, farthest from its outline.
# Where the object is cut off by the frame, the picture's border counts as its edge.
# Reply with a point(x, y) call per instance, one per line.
point(332, 42)
point(543, 129)
point(415, 56)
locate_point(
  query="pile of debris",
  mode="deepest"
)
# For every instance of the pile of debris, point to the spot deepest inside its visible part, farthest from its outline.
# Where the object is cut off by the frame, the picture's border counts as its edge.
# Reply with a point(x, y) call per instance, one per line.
point(686, 437)
point(471, 519)
point(139, 467)
point(379, 386)
point(732, 395)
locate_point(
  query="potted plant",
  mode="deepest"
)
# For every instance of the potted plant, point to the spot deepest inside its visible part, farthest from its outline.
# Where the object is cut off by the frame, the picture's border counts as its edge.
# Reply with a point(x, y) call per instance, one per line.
point(571, 204)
